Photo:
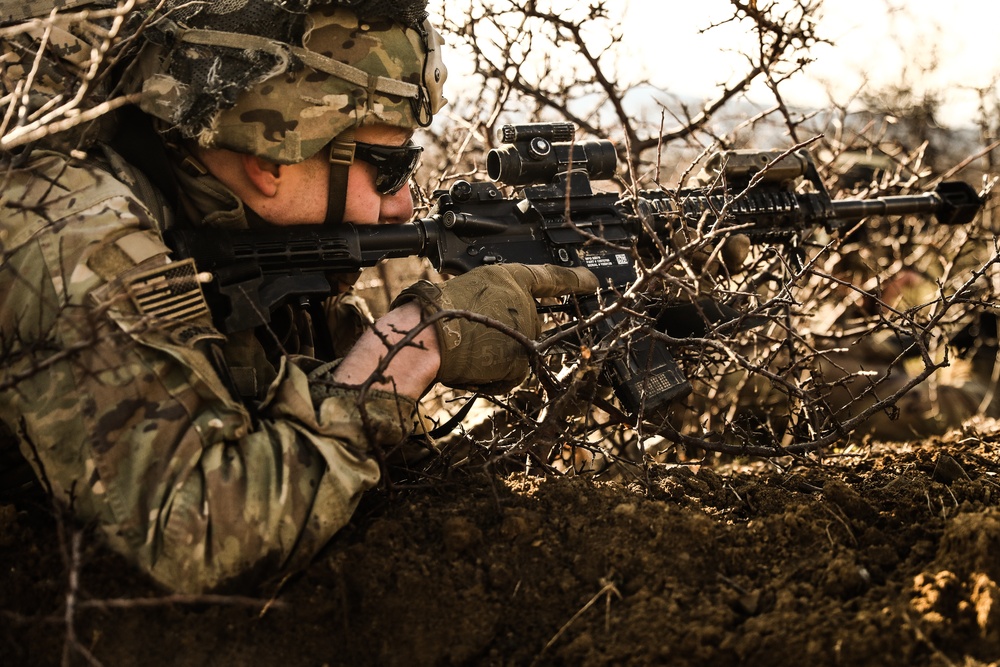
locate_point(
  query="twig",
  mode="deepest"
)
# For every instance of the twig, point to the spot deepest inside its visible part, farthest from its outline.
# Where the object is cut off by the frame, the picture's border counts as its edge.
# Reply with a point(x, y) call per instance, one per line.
point(608, 589)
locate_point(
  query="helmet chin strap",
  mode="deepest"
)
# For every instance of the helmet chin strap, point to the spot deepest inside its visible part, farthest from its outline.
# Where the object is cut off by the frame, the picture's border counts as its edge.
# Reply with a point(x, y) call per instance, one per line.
point(341, 157)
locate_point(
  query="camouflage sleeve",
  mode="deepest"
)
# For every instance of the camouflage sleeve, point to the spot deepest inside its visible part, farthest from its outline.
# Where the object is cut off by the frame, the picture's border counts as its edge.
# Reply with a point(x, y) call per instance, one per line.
point(113, 394)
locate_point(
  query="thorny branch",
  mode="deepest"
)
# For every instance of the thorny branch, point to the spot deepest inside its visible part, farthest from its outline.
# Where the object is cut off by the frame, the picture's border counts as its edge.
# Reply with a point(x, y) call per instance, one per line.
point(784, 377)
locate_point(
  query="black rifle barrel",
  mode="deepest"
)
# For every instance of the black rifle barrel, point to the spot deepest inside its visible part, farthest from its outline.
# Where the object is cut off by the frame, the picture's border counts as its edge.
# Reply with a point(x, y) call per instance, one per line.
point(855, 209)
point(952, 203)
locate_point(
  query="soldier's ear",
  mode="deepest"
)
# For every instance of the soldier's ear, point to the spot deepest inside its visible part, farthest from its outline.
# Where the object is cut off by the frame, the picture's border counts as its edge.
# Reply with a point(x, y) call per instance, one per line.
point(262, 174)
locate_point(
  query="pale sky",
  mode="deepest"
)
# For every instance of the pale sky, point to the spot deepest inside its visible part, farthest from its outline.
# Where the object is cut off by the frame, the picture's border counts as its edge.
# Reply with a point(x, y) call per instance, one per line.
point(963, 35)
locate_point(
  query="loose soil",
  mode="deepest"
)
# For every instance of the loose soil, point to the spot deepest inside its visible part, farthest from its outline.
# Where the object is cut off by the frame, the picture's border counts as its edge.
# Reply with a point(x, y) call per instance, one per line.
point(882, 555)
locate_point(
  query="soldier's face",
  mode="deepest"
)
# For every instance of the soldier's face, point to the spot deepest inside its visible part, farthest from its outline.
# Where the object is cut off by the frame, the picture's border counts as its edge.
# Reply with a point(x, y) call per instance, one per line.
point(296, 194)
point(365, 204)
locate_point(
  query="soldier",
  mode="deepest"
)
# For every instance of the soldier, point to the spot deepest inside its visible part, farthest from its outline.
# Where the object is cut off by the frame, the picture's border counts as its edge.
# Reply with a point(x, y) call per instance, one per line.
point(206, 458)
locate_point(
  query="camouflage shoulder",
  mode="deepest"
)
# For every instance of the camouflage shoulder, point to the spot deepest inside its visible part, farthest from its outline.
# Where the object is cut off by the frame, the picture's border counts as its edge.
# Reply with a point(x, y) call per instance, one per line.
point(52, 188)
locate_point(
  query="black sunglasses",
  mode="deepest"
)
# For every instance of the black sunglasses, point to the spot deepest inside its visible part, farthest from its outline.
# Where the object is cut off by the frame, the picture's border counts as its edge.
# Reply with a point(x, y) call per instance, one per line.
point(394, 165)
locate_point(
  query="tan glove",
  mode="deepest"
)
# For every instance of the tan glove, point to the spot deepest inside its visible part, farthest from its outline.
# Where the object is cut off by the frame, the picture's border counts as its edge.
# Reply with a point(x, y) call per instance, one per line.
point(733, 253)
point(475, 355)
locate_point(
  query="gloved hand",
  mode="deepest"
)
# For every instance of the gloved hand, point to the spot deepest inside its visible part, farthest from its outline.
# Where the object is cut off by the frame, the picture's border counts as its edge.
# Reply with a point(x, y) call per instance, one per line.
point(475, 355)
point(735, 251)
point(705, 260)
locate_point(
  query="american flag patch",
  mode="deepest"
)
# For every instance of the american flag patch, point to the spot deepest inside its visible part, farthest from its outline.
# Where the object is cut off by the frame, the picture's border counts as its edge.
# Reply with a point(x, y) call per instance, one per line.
point(169, 292)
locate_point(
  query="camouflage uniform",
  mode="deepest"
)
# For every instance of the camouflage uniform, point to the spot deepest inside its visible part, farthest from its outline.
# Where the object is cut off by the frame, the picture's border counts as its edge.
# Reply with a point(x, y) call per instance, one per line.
point(202, 458)
point(121, 409)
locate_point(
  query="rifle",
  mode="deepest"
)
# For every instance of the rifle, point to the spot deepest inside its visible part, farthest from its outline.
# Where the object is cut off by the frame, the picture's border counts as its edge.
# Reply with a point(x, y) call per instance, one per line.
point(555, 218)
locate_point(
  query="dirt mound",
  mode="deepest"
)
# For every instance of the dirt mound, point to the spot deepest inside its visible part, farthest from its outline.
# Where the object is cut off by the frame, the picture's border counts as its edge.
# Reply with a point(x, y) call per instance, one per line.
point(880, 556)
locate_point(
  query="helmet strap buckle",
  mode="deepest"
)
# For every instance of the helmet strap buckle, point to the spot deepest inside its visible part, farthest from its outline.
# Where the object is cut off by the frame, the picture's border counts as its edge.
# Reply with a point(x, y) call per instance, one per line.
point(341, 158)
point(342, 149)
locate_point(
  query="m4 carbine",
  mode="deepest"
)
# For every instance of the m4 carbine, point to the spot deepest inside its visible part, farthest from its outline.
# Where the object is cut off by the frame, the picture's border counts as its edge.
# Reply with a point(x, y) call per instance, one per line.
point(555, 218)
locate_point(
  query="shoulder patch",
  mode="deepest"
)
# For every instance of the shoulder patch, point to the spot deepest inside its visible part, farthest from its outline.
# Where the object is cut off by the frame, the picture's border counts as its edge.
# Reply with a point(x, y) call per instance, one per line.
point(169, 292)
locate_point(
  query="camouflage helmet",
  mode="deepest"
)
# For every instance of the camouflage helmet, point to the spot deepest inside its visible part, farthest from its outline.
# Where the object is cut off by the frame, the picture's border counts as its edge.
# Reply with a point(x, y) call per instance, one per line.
point(320, 69)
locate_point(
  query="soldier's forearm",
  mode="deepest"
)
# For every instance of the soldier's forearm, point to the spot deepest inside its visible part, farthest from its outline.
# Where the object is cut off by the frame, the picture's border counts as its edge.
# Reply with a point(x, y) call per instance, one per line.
point(412, 368)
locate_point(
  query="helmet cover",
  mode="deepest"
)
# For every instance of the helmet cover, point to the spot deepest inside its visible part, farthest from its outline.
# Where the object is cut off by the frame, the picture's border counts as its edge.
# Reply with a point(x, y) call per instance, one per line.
point(314, 75)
